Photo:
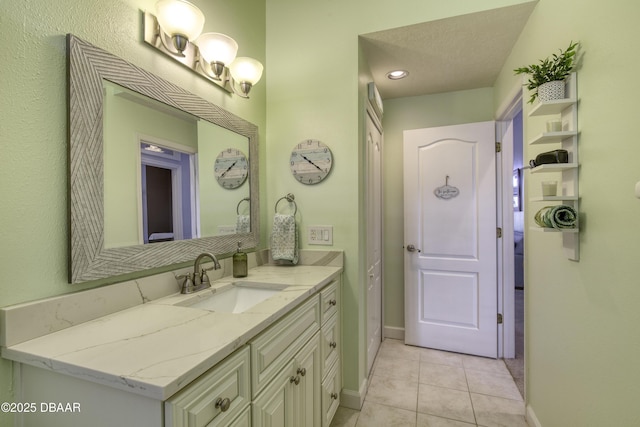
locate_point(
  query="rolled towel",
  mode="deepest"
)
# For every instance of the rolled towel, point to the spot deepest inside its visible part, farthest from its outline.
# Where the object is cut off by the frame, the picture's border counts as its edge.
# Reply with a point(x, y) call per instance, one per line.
point(558, 217)
point(284, 238)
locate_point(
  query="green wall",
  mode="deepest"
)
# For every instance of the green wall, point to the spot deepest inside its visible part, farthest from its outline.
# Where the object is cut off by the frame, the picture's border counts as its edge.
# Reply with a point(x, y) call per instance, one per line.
point(33, 135)
point(125, 122)
point(582, 340)
point(316, 88)
point(414, 113)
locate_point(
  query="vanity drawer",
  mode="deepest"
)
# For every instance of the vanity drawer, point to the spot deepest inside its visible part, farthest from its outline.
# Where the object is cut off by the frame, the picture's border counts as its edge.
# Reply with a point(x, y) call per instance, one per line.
point(330, 346)
point(203, 402)
point(275, 347)
point(330, 300)
point(331, 388)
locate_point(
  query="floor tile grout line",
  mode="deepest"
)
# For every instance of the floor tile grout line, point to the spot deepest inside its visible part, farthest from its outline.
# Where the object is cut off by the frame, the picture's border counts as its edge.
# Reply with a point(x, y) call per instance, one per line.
point(473, 409)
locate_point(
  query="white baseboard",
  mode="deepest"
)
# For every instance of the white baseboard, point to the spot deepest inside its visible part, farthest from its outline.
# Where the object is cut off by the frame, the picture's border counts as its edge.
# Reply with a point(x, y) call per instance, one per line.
point(354, 399)
point(531, 417)
point(394, 333)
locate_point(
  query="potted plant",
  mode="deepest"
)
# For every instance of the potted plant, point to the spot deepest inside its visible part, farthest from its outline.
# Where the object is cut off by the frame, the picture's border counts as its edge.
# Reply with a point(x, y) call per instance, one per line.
point(547, 77)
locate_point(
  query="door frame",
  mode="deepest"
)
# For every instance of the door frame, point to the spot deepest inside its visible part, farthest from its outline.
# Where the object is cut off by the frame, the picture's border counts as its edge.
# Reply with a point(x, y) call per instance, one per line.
point(506, 274)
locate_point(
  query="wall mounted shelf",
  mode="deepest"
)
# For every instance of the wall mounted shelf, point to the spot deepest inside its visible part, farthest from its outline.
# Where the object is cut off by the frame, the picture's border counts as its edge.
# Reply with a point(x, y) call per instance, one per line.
point(567, 138)
point(555, 167)
point(550, 137)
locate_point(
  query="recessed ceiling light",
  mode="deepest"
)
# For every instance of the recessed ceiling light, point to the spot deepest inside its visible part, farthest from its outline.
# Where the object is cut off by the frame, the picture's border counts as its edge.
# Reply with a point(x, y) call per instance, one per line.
point(397, 74)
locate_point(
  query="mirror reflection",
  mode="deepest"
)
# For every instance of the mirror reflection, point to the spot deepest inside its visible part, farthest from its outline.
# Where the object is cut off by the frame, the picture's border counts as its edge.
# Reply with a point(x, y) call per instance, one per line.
point(169, 175)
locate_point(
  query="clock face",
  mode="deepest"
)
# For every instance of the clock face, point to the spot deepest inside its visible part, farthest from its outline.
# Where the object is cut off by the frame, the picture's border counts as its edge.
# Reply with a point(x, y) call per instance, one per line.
point(310, 161)
point(231, 168)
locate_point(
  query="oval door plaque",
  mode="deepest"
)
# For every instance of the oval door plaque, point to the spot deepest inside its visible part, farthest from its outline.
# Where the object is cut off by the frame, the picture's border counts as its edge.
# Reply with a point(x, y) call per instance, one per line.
point(446, 191)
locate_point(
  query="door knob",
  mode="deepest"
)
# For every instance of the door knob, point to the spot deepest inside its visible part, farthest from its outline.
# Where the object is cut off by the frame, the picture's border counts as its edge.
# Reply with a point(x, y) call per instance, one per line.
point(412, 248)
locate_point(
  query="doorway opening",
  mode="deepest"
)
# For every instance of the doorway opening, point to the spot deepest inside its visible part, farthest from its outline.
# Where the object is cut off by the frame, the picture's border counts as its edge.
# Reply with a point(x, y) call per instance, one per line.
point(168, 206)
point(513, 288)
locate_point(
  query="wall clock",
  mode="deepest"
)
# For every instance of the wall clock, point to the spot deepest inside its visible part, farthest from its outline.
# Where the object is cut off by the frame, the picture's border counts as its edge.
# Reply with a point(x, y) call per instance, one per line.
point(231, 168)
point(311, 161)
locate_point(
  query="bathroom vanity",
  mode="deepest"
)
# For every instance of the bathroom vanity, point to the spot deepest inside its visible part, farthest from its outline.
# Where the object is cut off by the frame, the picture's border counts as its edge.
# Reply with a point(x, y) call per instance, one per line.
point(261, 351)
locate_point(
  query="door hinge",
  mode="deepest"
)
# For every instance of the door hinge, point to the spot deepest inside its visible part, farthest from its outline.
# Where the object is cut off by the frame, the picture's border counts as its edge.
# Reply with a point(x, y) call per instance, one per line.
point(498, 232)
point(498, 147)
point(499, 318)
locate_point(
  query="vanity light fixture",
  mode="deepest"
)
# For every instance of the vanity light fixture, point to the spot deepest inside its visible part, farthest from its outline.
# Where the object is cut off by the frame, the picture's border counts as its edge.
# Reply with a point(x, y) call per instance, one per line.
point(176, 30)
point(397, 74)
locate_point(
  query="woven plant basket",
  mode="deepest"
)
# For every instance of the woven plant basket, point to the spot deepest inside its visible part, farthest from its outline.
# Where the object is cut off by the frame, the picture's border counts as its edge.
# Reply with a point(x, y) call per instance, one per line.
point(551, 90)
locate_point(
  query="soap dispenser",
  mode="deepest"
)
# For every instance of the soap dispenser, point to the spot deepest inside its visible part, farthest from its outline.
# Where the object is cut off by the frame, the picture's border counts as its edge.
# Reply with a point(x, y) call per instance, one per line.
point(239, 263)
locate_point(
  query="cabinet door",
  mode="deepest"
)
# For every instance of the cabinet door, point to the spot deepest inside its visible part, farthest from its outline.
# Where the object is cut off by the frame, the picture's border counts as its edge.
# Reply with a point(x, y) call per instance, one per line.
point(274, 406)
point(307, 395)
point(331, 389)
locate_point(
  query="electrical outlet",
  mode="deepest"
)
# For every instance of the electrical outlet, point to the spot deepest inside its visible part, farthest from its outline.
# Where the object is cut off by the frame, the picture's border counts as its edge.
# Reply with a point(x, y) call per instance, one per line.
point(320, 235)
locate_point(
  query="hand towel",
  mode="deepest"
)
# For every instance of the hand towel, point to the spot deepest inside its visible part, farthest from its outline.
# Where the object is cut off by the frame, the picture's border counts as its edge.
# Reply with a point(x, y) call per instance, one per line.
point(559, 217)
point(284, 238)
point(243, 224)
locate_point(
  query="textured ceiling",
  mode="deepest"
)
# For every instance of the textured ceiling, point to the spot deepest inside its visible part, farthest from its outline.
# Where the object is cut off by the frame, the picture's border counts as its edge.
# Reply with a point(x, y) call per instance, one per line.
point(459, 53)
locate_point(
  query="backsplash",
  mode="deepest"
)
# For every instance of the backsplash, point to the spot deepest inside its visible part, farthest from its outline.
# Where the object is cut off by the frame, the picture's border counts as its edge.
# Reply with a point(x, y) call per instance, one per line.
point(25, 321)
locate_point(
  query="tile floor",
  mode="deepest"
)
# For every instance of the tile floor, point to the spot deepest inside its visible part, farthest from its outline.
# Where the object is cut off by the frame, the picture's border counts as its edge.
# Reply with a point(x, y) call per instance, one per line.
point(420, 387)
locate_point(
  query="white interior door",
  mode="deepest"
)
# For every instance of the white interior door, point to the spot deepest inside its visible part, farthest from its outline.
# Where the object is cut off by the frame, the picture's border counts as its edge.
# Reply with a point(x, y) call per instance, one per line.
point(374, 240)
point(450, 238)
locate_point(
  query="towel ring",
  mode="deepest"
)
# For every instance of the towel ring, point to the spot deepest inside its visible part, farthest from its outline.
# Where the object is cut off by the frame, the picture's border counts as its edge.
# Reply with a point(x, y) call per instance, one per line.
point(289, 198)
point(246, 199)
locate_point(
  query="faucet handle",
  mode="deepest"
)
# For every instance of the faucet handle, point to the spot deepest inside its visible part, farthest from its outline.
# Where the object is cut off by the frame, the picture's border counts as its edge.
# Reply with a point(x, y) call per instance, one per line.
point(203, 276)
point(187, 282)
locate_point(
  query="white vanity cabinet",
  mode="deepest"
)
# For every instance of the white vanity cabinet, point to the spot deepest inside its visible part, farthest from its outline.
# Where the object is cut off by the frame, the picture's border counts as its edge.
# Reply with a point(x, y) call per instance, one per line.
point(290, 372)
point(297, 395)
point(284, 374)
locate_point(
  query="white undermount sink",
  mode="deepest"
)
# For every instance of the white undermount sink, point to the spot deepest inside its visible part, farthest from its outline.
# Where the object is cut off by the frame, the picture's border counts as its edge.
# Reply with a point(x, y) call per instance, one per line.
point(237, 298)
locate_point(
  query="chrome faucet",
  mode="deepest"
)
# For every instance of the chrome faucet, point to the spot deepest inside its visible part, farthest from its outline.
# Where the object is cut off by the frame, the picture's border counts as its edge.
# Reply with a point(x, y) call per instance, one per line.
point(198, 280)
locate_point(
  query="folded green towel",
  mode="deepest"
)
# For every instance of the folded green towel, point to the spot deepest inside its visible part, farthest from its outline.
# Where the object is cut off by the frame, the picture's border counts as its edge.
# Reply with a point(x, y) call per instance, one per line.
point(559, 217)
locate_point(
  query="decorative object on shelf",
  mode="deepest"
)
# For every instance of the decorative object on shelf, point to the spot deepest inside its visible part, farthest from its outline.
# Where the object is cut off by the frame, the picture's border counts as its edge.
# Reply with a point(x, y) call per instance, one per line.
point(175, 31)
point(549, 188)
point(555, 156)
point(231, 168)
point(547, 77)
point(311, 161)
point(554, 126)
point(559, 217)
point(447, 191)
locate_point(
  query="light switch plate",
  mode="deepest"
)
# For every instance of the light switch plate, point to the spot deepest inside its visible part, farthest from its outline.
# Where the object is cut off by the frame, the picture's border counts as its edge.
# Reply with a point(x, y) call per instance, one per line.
point(320, 235)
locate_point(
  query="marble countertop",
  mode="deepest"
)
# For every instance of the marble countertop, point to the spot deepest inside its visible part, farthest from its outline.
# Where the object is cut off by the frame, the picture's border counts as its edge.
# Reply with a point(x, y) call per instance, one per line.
point(157, 348)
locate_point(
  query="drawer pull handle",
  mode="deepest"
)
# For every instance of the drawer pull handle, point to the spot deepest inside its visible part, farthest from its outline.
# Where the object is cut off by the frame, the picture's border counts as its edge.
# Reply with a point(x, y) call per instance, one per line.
point(223, 404)
point(295, 379)
point(333, 344)
point(334, 396)
point(333, 302)
point(302, 371)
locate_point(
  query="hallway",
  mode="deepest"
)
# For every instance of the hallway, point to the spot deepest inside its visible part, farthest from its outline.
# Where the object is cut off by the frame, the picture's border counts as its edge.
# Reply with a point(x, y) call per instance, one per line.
point(420, 387)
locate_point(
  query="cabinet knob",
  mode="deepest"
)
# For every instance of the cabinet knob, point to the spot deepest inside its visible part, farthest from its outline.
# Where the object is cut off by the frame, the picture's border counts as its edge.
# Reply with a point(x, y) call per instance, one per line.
point(333, 302)
point(333, 344)
point(295, 380)
point(302, 371)
point(223, 404)
point(334, 396)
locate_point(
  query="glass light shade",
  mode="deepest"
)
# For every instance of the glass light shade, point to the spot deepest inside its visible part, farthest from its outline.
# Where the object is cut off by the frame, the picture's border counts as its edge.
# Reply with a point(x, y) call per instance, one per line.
point(216, 47)
point(246, 70)
point(179, 17)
